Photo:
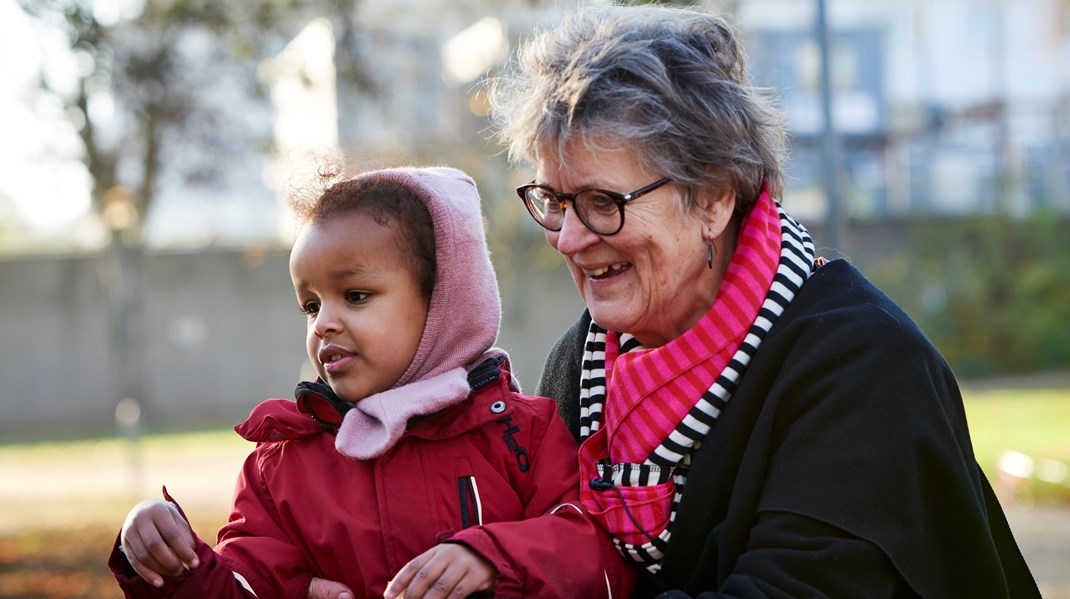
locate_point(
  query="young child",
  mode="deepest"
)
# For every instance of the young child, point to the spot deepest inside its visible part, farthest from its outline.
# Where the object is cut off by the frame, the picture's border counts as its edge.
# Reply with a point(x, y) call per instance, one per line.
point(414, 434)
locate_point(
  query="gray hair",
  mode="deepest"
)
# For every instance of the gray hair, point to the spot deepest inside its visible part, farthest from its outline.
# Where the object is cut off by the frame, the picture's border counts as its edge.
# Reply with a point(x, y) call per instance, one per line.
point(671, 83)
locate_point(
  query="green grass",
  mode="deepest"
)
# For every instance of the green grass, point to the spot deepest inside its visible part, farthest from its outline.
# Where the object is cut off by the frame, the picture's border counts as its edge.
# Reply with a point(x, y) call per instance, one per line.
point(1033, 422)
point(178, 444)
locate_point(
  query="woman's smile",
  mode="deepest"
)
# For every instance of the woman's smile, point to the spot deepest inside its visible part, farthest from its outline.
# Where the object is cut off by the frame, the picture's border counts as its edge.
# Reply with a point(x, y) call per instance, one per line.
point(605, 272)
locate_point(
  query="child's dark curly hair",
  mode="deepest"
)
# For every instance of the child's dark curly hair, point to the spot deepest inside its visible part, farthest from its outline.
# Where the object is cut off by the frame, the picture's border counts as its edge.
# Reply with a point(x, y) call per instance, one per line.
point(387, 202)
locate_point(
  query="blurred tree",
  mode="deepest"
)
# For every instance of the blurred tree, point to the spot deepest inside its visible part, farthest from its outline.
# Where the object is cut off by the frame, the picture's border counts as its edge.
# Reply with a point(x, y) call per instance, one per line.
point(991, 291)
point(157, 94)
point(158, 70)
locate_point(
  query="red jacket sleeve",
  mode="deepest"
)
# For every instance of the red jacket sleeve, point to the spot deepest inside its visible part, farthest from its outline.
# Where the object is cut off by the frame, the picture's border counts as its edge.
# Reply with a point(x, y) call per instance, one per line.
point(255, 542)
point(557, 550)
point(212, 578)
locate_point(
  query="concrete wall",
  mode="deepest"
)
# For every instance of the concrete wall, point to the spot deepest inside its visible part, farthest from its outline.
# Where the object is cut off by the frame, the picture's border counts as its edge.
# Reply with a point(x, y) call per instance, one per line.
point(53, 328)
point(222, 332)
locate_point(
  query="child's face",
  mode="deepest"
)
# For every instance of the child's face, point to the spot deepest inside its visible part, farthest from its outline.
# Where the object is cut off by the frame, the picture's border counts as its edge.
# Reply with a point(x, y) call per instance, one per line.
point(365, 310)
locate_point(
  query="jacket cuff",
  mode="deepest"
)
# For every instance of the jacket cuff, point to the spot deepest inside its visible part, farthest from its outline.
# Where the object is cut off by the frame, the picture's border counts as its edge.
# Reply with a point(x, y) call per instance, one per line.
point(133, 585)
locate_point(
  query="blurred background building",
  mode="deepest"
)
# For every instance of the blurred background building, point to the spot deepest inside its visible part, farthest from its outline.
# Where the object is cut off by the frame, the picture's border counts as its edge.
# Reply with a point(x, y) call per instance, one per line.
point(950, 107)
point(148, 156)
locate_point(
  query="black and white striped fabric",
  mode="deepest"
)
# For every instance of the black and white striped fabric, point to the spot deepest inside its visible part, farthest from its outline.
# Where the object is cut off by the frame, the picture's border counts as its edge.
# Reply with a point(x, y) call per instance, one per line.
point(673, 456)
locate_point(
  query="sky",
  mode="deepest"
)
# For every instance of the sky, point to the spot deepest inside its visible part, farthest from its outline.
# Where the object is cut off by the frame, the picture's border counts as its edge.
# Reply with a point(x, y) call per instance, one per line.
point(41, 180)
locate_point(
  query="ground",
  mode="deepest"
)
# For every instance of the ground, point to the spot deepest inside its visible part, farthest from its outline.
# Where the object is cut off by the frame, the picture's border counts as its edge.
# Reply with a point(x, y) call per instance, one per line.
point(60, 510)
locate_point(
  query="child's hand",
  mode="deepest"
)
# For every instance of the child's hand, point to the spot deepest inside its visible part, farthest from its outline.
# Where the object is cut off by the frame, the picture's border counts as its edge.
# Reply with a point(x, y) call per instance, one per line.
point(157, 541)
point(448, 569)
point(321, 588)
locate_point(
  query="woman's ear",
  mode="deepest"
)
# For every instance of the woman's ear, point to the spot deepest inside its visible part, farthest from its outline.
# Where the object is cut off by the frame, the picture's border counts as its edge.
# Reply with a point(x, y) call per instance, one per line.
point(717, 208)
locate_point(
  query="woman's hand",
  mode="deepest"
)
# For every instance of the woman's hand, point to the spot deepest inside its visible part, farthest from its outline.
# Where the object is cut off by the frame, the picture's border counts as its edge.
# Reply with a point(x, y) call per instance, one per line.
point(448, 569)
point(157, 541)
point(321, 588)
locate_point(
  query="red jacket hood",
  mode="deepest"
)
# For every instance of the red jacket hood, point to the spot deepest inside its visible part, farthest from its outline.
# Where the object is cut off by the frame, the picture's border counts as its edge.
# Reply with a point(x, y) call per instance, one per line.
point(277, 420)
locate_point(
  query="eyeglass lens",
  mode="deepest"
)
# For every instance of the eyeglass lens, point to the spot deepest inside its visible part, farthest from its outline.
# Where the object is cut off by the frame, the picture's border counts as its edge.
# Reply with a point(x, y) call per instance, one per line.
point(598, 211)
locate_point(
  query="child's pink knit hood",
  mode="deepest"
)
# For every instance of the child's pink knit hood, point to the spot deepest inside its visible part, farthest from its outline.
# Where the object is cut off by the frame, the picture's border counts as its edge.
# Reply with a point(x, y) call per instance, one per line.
point(465, 309)
point(462, 319)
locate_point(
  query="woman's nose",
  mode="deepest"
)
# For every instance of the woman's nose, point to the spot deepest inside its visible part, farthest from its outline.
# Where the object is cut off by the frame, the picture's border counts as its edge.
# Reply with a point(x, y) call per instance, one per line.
point(573, 237)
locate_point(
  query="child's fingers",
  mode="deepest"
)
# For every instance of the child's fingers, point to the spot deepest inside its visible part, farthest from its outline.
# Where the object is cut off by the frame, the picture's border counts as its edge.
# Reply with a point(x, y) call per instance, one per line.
point(142, 560)
point(435, 587)
point(179, 537)
point(157, 541)
point(453, 580)
point(167, 545)
point(446, 570)
point(465, 574)
point(321, 588)
point(408, 579)
point(159, 553)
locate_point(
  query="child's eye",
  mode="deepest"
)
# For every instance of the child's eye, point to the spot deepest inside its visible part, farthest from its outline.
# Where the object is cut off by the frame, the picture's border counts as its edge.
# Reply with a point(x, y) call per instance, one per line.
point(310, 308)
point(355, 297)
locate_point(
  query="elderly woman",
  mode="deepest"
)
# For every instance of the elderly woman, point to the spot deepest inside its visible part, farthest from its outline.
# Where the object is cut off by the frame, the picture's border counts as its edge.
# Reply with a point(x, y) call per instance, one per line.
point(754, 422)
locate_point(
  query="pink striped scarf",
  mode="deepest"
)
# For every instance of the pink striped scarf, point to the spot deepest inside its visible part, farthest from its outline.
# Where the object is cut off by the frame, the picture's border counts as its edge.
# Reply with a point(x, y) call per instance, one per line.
point(649, 391)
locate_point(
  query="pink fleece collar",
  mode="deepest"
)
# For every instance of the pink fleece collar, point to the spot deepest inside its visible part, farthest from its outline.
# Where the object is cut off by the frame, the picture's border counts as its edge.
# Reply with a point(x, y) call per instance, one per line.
point(376, 422)
point(379, 421)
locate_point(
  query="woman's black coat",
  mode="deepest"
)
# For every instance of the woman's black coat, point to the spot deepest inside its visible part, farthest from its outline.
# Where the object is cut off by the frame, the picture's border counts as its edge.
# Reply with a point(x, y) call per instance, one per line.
point(841, 467)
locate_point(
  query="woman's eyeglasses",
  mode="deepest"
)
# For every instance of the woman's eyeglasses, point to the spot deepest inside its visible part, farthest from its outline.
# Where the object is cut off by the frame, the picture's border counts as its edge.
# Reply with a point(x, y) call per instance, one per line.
point(600, 210)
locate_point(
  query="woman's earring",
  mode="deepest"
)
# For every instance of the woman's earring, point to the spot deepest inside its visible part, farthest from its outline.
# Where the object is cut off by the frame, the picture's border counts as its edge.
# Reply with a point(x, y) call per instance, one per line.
point(709, 253)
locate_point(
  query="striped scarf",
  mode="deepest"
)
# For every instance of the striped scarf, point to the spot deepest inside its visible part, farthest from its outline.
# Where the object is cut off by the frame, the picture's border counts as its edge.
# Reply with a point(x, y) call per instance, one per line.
point(664, 400)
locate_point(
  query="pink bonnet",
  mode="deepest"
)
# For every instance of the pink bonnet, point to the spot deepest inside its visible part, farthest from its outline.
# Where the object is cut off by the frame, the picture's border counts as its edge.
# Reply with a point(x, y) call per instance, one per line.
point(465, 309)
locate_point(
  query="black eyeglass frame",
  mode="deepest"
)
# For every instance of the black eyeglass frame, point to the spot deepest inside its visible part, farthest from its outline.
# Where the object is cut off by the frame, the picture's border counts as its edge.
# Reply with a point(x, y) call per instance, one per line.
point(618, 198)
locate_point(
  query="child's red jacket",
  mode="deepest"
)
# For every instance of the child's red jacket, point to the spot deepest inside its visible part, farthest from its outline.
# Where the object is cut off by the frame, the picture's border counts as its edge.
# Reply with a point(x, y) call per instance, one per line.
point(303, 510)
